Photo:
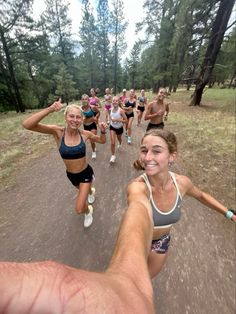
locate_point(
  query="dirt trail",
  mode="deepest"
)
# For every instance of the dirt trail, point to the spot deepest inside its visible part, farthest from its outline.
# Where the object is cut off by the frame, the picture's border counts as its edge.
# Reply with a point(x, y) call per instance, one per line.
point(38, 222)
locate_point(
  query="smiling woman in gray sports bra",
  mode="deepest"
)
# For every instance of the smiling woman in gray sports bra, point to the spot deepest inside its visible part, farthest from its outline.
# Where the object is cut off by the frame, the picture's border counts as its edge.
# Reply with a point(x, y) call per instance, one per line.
point(161, 191)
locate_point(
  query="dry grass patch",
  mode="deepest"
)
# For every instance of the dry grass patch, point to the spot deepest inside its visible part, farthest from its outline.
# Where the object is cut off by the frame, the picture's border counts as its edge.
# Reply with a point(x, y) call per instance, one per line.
point(206, 137)
point(18, 145)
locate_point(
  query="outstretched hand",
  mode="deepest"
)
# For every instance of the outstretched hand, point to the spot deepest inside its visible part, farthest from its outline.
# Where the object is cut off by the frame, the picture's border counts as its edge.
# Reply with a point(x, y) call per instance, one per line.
point(49, 287)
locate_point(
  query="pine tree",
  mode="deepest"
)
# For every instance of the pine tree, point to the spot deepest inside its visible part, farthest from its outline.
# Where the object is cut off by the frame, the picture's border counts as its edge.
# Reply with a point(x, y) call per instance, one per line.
point(103, 43)
point(88, 39)
point(213, 48)
point(58, 27)
point(65, 85)
point(118, 27)
point(14, 14)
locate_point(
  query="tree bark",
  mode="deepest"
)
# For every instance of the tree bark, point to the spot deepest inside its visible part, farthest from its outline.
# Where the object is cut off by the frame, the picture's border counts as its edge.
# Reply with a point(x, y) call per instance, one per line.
point(216, 39)
point(232, 81)
point(35, 87)
point(115, 62)
point(8, 83)
point(18, 104)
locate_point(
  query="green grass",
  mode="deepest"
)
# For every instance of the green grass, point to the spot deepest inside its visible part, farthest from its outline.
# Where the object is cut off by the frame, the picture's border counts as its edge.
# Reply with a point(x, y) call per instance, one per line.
point(206, 137)
point(222, 97)
point(212, 98)
point(207, 126)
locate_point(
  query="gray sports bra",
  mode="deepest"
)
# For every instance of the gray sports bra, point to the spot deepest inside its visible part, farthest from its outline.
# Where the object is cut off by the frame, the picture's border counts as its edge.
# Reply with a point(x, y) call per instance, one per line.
point(165, 219)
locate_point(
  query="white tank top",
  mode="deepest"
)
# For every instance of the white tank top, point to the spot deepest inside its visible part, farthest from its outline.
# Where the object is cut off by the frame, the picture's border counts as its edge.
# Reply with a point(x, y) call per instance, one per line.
point(116, 115)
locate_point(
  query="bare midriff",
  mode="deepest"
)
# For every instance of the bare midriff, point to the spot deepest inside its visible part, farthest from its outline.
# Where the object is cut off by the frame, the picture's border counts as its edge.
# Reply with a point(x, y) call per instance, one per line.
point(159, 232)
point(75, 165)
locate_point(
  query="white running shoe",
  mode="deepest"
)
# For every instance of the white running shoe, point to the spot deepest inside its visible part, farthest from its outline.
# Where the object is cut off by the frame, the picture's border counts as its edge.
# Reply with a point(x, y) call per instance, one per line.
point(88, 218)
point(94, 155)
point(129, 140)
point(119, 145)
point(113, 158)
point(91, 197)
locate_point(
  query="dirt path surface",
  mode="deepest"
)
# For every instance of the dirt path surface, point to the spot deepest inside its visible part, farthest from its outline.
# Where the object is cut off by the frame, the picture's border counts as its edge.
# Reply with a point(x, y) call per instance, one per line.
point(38, 222)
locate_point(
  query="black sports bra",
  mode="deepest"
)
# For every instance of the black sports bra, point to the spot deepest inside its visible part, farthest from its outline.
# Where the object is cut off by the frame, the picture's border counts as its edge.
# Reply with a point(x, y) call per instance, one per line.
point(129, 104)
point(72, 152)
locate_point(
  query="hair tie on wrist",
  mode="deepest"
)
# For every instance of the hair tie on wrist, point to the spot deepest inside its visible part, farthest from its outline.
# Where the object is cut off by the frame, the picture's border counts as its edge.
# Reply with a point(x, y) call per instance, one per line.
point(229, 214)
point(232, 210)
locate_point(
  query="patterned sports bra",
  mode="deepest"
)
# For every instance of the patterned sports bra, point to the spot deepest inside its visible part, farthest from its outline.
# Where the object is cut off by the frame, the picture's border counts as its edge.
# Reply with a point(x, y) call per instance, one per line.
point(164, 219)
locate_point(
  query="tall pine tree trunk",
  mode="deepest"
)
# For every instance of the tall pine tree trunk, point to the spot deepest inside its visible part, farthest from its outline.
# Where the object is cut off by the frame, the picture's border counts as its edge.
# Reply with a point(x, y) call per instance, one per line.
point(19, 104)
point(216, 38)
point(35, 86)
point(7, 82)
point(115, 67)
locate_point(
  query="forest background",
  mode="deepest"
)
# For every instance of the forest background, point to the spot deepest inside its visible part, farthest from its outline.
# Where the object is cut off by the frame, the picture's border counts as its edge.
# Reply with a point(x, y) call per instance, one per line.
point(189, 47)
point(186, 41)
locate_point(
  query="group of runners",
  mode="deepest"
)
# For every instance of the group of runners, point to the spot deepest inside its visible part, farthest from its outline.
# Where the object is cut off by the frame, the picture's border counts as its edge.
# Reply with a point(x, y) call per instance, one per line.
point(120, 113)
point(158, 189)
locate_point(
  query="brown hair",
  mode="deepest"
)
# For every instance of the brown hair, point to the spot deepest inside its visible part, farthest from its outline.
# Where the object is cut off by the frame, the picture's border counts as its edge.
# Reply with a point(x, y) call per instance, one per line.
point(166, 135)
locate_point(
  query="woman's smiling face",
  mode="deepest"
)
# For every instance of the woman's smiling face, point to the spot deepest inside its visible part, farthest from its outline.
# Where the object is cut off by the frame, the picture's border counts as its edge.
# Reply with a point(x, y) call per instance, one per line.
point(154, 155)
point(115, 101)
point(74, 118)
